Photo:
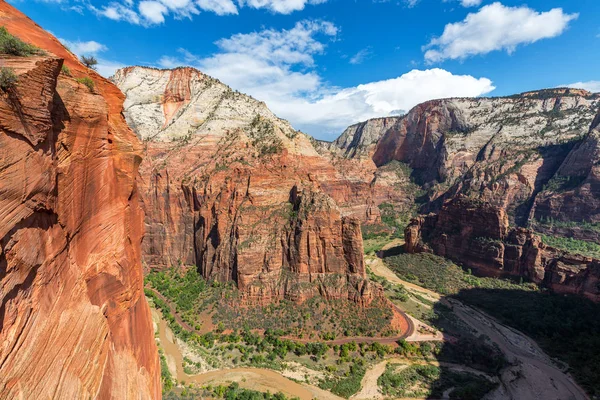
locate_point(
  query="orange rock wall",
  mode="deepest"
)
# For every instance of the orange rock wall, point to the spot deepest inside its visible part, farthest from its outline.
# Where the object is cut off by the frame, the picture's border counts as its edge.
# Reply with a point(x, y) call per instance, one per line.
point(74, 322)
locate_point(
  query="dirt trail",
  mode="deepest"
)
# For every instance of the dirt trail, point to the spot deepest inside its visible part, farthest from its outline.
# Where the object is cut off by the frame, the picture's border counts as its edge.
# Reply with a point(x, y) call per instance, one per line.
point(369, 387)
point(534, 376)
point(249, 378)
point(379, 268)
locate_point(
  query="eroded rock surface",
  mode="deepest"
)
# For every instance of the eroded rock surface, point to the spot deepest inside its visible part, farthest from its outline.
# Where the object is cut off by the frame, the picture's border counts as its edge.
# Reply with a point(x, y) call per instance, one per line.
point(231, 188)
point(501, 150)
point(477, 235)
point(74, 322)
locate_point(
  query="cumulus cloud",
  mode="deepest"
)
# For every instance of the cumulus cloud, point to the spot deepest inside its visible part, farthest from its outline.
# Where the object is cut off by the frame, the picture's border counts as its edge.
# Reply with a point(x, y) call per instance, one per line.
point(278, 67)
point(470, 3)
point(592, 86)
point(154, 12)
point(279, 6)
point(78, 47)
point(496, 27)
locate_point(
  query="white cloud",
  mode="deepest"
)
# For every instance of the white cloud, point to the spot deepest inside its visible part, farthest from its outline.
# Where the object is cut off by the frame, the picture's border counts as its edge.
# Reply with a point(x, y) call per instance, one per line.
point(592, 86)
point(78, 47)
point(118, 12)
point(496, 27)
point(105, 67)
point(154, 12)
point(470, 3)
point(280, 6)
point(361, 56)
point(219, 7)
point(278, 67)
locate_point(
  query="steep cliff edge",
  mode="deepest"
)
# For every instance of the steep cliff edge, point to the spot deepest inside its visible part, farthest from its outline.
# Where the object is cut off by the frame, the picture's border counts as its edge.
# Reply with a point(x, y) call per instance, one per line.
point(572, 200)
point(74, 322)
point(231, 188)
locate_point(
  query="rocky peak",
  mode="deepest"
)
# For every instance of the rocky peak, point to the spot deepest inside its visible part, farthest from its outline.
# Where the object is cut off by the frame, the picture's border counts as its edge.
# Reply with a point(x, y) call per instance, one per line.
point(183, 104)
point(360, 139)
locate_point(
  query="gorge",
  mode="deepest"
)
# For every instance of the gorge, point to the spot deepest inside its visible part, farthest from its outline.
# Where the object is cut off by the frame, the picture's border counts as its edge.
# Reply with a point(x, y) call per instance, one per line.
point(162, 197)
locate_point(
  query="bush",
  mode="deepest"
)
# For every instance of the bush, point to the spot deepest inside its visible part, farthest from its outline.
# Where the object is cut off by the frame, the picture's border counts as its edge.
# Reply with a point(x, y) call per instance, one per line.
point(589, 249)
point(89, 61)
point(8, 78)
point(14, 46)
point(87, 81)
point(65, 70)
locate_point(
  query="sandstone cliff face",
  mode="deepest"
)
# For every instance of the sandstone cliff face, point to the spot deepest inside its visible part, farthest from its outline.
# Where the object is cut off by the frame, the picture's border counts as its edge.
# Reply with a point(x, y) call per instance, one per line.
point(501, 150)
point(477, 235)
point(73, 319)
point(575, 193)
point(231, 188)
point(360, 140)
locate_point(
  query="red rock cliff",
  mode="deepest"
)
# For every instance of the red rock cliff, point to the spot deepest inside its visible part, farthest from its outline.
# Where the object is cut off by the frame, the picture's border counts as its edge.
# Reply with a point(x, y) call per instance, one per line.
point(229, 187)
point(74, 322)
point(476, 235)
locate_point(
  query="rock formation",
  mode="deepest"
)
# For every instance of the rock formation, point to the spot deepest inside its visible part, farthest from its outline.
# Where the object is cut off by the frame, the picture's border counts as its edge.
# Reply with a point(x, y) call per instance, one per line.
point(74, 322)
point(574, 196)
point(231, 188)
point(477, 235)
point(500, 150)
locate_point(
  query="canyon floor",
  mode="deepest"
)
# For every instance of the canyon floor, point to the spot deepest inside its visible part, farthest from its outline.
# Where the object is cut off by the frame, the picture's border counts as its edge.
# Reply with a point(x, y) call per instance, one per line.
point(530, 373)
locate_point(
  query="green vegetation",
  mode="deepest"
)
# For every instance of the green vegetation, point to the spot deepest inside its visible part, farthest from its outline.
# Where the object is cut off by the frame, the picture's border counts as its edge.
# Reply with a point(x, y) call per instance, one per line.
point(348, 385)
point(165, 374)
point(234, 392)
point(566, 327)
point(14, 46)
point(194, 298)
point(589, 249)
point(264, 138)
point(428, 380)
point(441, 275)
point(8, 78)
point(553, 223)
point(231, 392)
point(186, 289)
point(332, 318)
point(563, 183)
point(65, 70)
point(87, 81)
point(89, 61)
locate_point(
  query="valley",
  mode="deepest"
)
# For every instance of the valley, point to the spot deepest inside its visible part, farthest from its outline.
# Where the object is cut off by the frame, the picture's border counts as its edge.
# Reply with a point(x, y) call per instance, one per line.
point(508, 369)
point(164, 235)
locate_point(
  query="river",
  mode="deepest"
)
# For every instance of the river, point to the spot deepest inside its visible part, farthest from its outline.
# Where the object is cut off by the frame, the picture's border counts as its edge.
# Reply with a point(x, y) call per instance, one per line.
point(249, 378)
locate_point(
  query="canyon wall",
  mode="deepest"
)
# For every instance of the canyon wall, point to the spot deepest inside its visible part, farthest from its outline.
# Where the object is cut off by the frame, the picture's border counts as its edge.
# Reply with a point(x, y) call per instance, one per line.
point(477, 235)
point(229, 187)
point(74, 322)
point(501, 150)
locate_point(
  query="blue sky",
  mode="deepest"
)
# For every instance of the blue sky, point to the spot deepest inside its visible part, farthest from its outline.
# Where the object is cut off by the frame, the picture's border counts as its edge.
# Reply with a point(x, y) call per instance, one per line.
point(325, 64)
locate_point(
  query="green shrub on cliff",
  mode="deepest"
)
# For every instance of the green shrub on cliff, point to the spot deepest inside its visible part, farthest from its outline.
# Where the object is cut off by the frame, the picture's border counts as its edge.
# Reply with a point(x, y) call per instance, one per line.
point(87, 81)
point(8, 78)
point(571, 245)
point(14, 46)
